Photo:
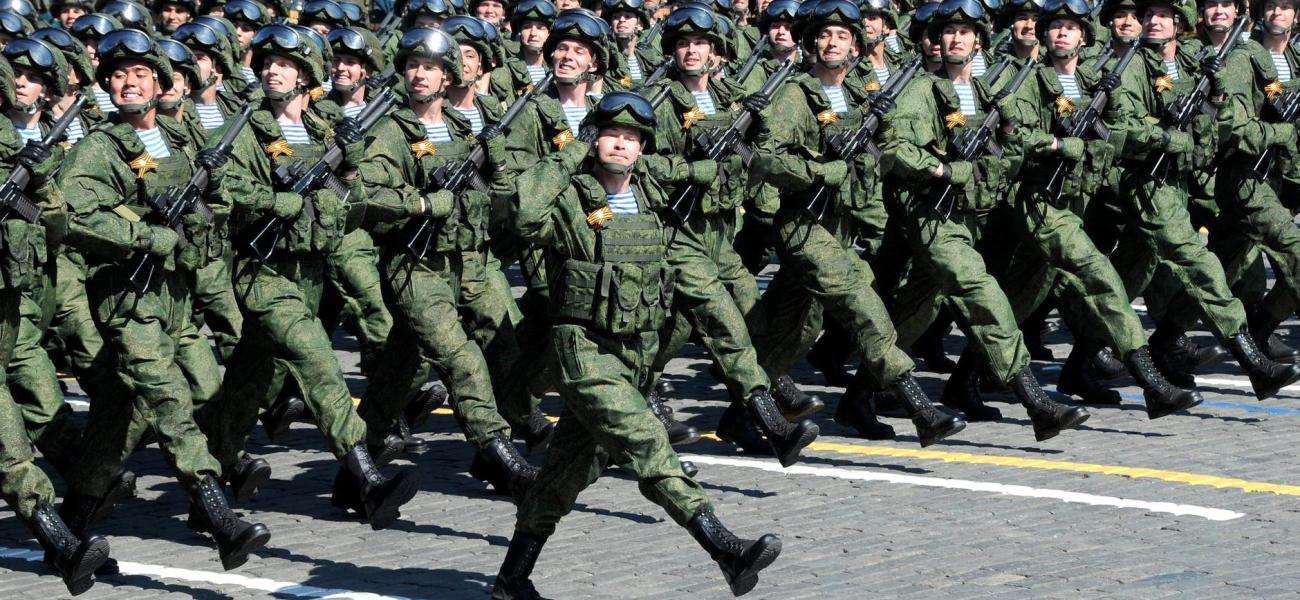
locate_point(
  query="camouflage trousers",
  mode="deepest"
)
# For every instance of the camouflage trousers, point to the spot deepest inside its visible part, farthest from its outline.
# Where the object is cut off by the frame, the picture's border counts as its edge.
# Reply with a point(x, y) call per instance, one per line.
point(427, 313)
point(821, 272)
point(72, 326)
point(281, 337)
point(716, 297)
point(144, 335)
point(354, 297)
point(22, 484)
point(33, 382)
point(605, 420)
point(215, 305)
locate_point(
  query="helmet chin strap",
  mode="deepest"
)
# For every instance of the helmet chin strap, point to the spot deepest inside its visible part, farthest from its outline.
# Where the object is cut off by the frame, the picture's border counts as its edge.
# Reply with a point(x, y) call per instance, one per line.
point(170, 105)
point(1069, 53)
point(138, 109)
point(1155, 44)
point(957, 59)
point(29, 108)
point(1275, 30)
point(614, 168)
point(347, 89)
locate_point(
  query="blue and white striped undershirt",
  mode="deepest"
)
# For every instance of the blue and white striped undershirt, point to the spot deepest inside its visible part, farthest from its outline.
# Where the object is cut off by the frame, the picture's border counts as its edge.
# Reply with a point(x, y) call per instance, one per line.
point(438, 134)
point(623, 203)
point(965, 97)
point(1070, 86)
point(574, 116)
point(104, 101)
point(249, 75)
point(535, 73)
point(210, 115)
point(295, 133)
point(74, 132)
point(835, 94)
point(882, 74)
point(705, 102)
point(1171, 67)
point(32, 134)
point(221, 87)
point(1282, 66)
point(327, 85)
point(474, 116)
point(891, 42)
point(153, 142)
point(354, 110)
point(634, 67)
point(977, 65)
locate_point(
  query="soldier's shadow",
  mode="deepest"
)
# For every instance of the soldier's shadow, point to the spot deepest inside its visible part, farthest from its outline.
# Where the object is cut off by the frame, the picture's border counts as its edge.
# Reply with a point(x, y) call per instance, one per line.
point(31, 563)
point(387, 581)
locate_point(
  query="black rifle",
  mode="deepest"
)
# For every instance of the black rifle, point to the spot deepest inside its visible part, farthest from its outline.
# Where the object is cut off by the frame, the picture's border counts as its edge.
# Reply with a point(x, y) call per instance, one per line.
point(971, 143)
point(1088, 121)
point(172, 204)
point(1186, 108)
point(992, 74)
point(12, 198)
point(648, 36)
point(719, 142)
point(387, 27)
point(1099, 61)
point(304, 181)
point(456, 175)
point(847, 145)
point(745, 69)
point(1286, 109)
point(656, 75)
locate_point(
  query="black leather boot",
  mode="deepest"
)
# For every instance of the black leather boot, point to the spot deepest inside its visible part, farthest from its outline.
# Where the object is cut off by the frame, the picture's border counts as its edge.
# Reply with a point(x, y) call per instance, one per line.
point(75, 558)
point(857, 410)
point(236, 538)
point(248, 475)
point(388, 449)
point(1048, 416)
point(1076, 380)
point(411, 444)
point(929, 347)
point(740, 560)
point(1161, 396)
point(793, 402)
point(962, 391)
point(1105, 365)
point(679, 434)
point(1035, 328)
point(287, 409)
point(78, 512)
point(513, 581)
point(931, 423)
point(1266, 377)
point(122, 489)
point(501, 465)
point(785, 438)
point(1262, 328)
point(829, 354)
point(537, 434)
point(422, 404)
point(381, 497)
point(737, 427)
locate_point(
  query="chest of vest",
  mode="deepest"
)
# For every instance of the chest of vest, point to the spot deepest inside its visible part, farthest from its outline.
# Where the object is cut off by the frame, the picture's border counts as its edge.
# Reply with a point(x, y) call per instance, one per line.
point(333, 215)
point(628, 289)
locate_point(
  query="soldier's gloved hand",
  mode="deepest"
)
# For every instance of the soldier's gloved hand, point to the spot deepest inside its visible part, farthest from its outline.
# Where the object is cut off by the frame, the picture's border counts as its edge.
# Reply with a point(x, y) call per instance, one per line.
point(494, 144)
point(703, 172)
point(1177, 142)
point(961, 173)
point(162, 240)
point(756, 103)
point(349, 137)
point(33, 154)
point(832, 173)
point(881, 106)
point(1110, 82)
point(1071, 148)
point(287, 205)
point(212, 159)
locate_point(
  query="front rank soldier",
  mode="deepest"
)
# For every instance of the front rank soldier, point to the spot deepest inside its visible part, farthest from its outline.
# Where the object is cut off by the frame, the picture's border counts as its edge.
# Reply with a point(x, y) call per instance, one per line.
point(600, 215)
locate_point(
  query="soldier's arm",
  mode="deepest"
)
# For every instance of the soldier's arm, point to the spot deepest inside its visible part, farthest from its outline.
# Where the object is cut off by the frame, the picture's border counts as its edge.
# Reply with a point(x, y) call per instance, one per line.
point(1035, 137)
point(54, 208)
point(93, 188)
point(539, 218)
point(1244, 127)
point(909, 131)
point(389, 196)
point(247, 182)
point(779, 156)
point(1128, 113)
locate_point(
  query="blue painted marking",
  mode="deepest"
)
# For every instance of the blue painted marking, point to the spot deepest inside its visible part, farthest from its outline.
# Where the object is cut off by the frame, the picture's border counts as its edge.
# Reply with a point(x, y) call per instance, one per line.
point(1241, 406)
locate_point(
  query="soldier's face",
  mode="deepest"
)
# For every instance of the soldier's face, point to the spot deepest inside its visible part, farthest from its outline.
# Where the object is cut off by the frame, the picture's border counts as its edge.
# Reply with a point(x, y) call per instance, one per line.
point(69, 14)
point(207, 67)
point(781, 33)
point(180, 88)
point(624, 22)
point(347, 70)
point(567, 4)
point(490, 11)
point(572, 58)
point(425, 76)
point(172, 16)
point(1025, 26)
point(693, 52)
point(245, 32)
point(92, 49)
point(618, 144)
point(533, 34)
point(835, 43)
point(1280, 14)
point(132, 82)
point(1159, 23)
point(471, 64)
point(762, 6)
point(1125, 25)
point(959, 41)
point(281, 74)
point(320, 27)
point(29, 88)
point(874, 26)
point(1064, 34)
point(427, 22)
point(1219, 14)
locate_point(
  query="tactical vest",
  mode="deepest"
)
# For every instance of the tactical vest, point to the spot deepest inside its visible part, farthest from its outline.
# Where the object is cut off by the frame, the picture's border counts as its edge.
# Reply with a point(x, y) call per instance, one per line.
point(466, 228)
point(1087, 175)
point(332, 214)
point(993, 184)
point(22, 245)
point(628, 289)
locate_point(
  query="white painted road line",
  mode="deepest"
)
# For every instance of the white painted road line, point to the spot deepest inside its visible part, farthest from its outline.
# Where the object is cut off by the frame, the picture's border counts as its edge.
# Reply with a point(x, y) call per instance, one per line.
point(1213, 514)
point(160, 572)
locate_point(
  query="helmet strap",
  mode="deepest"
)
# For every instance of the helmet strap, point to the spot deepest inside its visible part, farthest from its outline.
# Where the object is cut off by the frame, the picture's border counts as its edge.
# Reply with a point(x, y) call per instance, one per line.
point(616, 168)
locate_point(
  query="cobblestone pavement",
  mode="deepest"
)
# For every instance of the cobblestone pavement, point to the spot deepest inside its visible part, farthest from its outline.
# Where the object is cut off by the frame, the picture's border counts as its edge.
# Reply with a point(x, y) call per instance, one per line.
point(1198, 505)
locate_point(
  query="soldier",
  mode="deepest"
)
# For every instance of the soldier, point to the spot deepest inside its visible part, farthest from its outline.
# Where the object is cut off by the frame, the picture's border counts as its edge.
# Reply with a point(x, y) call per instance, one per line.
point(820, 272)
point(323, 16)
point(932, 111)
point(442, 272)
point(131, 15)
point(1020, 17)
point(1157, 209)
point(65, 12)
point(171, 14)
point(628, 19)
point(13, 26)
point(137, 155)
point(1054, 245)
point(278, 280)
point(530, 23)
point(247, 16)
point(89, 29)
point(600, 217)
point(492, 11)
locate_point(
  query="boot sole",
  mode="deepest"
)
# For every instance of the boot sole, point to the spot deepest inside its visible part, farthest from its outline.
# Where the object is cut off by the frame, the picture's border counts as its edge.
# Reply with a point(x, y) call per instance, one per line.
point(248, 489)
point(886, 432)
point(745, 581)
point(276, 428)
point(955, 426)
point(417, 417)
point(685, 440)
point(751, 449)
point(251, 541)
point(90, 556)
point(790, 455)
point(1195, 399)
point(388, 510)
point(1271, 391)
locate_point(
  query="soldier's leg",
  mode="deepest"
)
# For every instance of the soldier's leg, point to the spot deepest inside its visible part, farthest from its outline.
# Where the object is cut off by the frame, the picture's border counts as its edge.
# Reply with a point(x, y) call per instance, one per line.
point(215, 304)
point(34, 385)
point(195, 357)
point(484, 304)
